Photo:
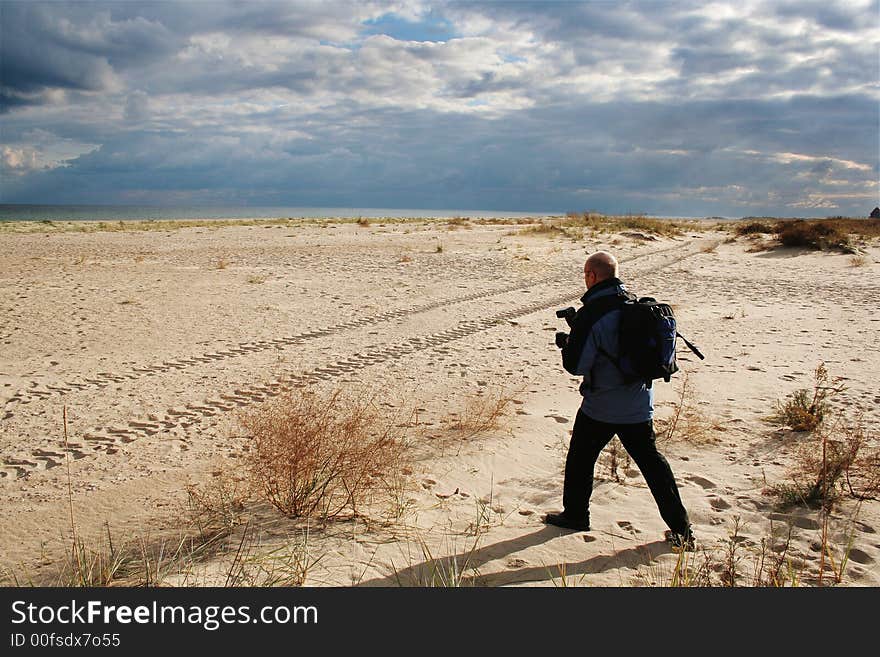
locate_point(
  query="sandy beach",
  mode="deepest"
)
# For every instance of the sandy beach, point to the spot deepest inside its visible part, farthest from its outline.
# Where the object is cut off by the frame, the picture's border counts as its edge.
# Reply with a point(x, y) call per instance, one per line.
point(153, 342)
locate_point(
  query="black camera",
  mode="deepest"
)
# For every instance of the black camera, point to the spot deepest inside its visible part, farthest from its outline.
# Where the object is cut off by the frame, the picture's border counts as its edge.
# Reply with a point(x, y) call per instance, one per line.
point(567, 314)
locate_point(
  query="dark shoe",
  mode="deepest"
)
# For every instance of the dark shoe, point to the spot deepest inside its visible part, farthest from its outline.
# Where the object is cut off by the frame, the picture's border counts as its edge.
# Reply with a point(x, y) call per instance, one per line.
point(562, 520)
point(681, 542)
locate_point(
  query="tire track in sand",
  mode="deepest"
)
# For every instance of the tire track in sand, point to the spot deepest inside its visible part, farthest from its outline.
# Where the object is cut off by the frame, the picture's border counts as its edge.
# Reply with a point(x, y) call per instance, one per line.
point(109, 440)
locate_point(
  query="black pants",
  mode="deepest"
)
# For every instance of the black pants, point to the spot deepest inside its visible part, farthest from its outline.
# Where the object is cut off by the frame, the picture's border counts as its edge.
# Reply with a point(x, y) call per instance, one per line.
point(589, 437)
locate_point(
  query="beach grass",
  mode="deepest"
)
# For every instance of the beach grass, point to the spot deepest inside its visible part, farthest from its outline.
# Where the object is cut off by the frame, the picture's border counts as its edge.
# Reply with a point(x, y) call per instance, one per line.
point(574, 225)
point(142, 225)
point(830, 234)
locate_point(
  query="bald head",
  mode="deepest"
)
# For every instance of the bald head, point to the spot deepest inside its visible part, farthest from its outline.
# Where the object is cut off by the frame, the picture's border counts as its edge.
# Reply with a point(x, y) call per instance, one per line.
point(599, 267)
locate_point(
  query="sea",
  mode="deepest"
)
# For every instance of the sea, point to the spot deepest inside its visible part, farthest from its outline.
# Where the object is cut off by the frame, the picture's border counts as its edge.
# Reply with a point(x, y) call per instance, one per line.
point(16, 212)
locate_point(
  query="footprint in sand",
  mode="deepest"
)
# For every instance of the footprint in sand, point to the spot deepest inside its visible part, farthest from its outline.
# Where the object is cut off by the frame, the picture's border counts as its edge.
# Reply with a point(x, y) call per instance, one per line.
point(861, 557)
point(628, 526)
point(719, 504)
point(797, 521)
point(701, 481)
point(559, 418)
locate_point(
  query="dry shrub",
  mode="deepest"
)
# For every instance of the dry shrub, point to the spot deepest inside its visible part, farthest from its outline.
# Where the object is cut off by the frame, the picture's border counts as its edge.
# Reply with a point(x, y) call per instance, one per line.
point(552, 229)
point(855, 226)
point(819, 235)
point(319, 454)
point(218, 505)
point(836, 461)
point(480, 413)
point(541, 228)
point(733, 562)
point(616, 458)
point(858, 261)
point(599, 222)
point(687, 423)
point(363, 222)
point(862, 474)
point(805, 409)
point(574, 224)
point(752, 228)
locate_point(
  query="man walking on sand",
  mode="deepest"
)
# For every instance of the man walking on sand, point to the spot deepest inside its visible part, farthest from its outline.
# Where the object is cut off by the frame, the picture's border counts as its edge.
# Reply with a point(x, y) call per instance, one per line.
point(612, 406)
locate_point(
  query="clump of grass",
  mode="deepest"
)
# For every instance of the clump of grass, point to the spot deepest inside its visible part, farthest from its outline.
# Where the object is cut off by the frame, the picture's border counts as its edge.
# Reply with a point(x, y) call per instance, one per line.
point(221, 263)
point(633, 222)
point(541, 228)
point(686, 423)
point(858, 261)
point(88, 566)
point(616, 458)
point(819, 235)
point(573, 225)
point(457, 222)
point(480, 413)
point(256, 279)
point(453, 571)
point(805, 409)
point(833, 233)
point(256, 565)
point(836, 461)
point(503, 221)
point(315, 454)
point(733, 562)
point(363, 222)
point(219, 503)
point(867, 228)
point(752, 228)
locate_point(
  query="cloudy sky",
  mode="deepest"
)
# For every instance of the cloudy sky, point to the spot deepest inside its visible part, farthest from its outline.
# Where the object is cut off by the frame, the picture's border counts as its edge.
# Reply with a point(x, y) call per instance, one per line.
point(666, 107)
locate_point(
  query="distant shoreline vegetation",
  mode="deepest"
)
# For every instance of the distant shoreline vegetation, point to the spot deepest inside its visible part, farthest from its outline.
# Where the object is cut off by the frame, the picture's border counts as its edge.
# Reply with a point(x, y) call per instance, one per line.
point(87, 219)
point(140, 213)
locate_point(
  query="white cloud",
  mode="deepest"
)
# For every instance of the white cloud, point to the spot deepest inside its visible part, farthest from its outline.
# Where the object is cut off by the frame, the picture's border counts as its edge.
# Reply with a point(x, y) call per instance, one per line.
point(40, 150)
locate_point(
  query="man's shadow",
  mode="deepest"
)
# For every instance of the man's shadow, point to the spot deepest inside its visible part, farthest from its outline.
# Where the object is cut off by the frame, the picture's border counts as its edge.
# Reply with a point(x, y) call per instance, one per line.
point(463, 567)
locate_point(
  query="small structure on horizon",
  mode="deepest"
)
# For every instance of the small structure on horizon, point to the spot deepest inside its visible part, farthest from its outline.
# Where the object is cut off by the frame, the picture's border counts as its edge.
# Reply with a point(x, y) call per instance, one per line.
point(875, 213)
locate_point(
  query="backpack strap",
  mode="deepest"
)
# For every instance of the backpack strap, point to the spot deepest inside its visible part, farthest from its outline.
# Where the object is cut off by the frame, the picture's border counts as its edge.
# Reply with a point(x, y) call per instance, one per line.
point(582, 324)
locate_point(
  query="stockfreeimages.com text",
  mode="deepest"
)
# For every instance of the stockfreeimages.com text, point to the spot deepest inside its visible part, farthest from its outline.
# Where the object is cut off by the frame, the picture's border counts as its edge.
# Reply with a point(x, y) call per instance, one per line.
point(211, 617)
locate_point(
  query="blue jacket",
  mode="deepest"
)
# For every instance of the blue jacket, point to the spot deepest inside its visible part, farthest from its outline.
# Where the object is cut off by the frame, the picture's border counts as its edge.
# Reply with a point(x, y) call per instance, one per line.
point(607, 397)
